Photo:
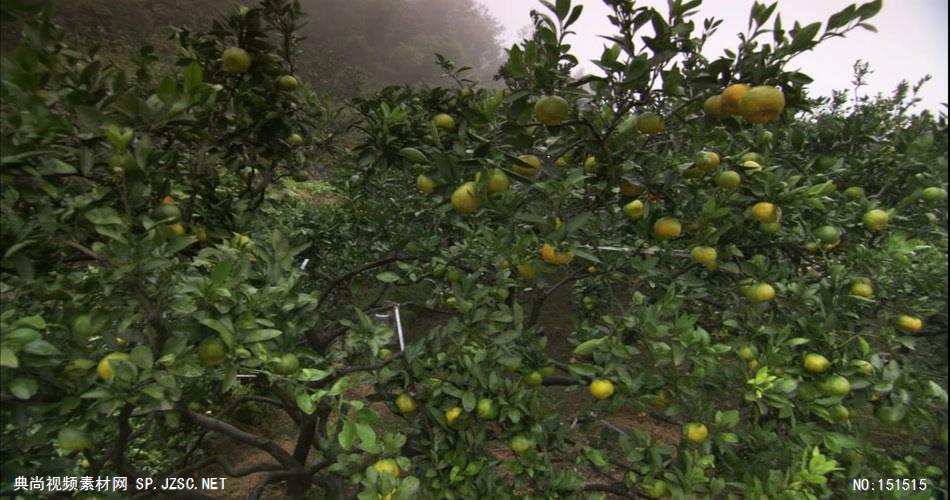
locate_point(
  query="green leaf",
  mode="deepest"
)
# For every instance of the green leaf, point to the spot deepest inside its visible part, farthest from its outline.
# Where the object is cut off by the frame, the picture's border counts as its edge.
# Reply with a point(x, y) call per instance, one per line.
point(8, 357)
point(367, 437)
point(312, 374)
point(346, 436)
point(262, 335)
point(841, 18)
point(306, 404)
point(387, 277)
point(41, 348)
point(23, 388)
point(226, 331)
point(59, 167)
point(563, 7)
point(869, 10)
point(34, 322)
point(193, 77)
point(104, 216)
point(804, 37)
point(468, 401)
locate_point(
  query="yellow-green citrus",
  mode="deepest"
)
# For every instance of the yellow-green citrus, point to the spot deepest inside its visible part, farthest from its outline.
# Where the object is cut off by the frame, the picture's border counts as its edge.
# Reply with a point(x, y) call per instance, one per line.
point(464, 200)
point(601, 389)
point(667, 228)
point(235, 60)
point(815, 363)
point(551, 110)
point(762, 104)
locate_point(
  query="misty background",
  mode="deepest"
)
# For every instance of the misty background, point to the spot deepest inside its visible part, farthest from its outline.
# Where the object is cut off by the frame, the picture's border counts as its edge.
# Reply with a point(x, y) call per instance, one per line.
point(357, 45)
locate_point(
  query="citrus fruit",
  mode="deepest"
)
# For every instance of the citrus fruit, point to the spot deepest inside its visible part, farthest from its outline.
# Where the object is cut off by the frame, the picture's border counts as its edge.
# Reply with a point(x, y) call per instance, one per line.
point(444, 121)
point(707, 161)
point(667, 228)
point(425, 184)
point(295, 139)
point(828, 234)
point(713, 107)
point(166, 211)
point(909, 324)
point(630, 189)
point(520, 444)
point(863, 367)
point(728, 179)
point(634, 210)
point(486, 409)
point(452, 415)
point(590, 165)
point(387, 466)
point(466, 92)
point(835, 385)
point(562, 161)
point(176, 230)
point(704, 255)
point(83, 326)
point(696, 432)
point(601, 389)
point(875, 220)
point(551, 110)
point(934, 194)
point(287, 83)
point(650, 123)
point(746, 353)
point(730, 97)
point(839, 413)
point(762, 104)
point(761, 292)
point(862, 290)
point(385, 354)
point(498, 181)
point(405, 404)
point(550, 255)
point(235, 60)
point(770, 227)
point(660, 400)
point(286, 364)
point(212, 351)
point(464, 200)
point(854, 193)
point(764, 211)
point(534, 165)
point(72, 439)
point(816, 363)
point(527, 270)
point(534, 378)
point(300, 176)
point(104, 368)
point(167, 200)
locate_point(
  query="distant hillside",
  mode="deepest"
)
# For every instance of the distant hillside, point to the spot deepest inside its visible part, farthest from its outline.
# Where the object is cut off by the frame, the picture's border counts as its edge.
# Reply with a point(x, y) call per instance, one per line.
point(350, 44)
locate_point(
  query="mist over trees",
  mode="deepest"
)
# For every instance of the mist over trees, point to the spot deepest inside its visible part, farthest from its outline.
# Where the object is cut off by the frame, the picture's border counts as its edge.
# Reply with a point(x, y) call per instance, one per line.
point(350, 44)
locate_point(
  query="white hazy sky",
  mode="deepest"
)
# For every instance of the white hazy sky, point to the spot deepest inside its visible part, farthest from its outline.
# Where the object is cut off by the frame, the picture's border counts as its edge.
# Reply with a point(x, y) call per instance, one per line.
point(911, 40)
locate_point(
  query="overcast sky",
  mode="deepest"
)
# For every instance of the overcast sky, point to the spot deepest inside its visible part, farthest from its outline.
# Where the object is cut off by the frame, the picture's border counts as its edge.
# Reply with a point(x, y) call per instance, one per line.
point(911, 40)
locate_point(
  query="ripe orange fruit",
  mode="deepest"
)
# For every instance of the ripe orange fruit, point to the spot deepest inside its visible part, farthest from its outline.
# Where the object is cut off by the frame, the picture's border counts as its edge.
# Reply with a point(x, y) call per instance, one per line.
point(551, 110)
point(532, 160)
point(425, 184)
point(167, 200)
point(550, 255)
point(235, 60)
point(713, 107)
point(764, 211)
point(444, 121)
point(730, 97)
point(667, 228)
point(762, 104)
point(909, 324)
point(650, 123)
point(464, 199)
point(601, 388)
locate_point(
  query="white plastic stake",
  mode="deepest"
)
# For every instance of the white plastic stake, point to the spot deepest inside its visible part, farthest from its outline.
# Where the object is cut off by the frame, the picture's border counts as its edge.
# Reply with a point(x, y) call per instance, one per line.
point(402, 343)
point(303, 265)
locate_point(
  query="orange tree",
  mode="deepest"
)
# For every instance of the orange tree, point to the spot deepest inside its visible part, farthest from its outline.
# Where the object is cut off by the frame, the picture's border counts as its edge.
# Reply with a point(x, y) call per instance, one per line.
point(736, 274)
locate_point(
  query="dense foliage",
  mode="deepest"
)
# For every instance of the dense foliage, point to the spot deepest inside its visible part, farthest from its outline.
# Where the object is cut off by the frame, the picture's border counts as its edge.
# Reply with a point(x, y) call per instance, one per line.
point(748, 303)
